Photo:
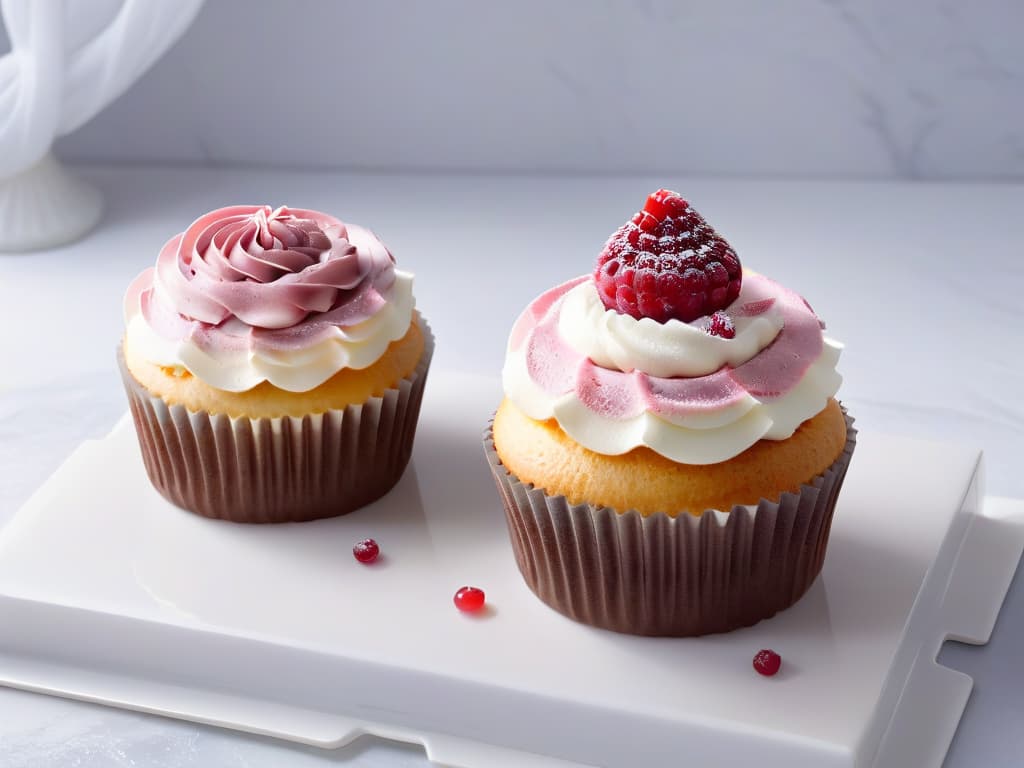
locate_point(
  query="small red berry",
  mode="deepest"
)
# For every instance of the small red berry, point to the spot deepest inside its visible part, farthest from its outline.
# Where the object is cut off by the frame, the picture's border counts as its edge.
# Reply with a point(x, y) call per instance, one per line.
point(767, 662)
point(667, 237)
point(469, 599)
point(366, 551)
point(721, 325)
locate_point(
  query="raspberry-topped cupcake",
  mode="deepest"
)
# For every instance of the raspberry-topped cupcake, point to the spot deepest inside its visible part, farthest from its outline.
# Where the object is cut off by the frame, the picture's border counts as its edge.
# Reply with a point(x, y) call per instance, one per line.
point(669, 449)
point(274, 364)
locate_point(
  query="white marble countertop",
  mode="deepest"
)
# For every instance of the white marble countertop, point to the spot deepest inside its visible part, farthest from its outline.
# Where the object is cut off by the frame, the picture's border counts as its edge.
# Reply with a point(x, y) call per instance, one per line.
point(921, 281)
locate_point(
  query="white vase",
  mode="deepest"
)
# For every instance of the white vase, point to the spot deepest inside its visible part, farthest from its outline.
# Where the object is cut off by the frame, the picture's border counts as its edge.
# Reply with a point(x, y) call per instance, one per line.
point(68, 60)
point(46, 206)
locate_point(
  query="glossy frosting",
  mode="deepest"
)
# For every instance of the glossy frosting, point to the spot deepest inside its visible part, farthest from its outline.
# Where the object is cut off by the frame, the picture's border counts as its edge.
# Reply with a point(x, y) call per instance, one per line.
point(674, 348)
point(614, 383)
point(250, 294)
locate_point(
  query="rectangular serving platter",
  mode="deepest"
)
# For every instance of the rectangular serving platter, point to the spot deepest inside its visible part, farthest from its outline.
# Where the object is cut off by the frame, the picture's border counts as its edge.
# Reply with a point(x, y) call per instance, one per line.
point(110, 594)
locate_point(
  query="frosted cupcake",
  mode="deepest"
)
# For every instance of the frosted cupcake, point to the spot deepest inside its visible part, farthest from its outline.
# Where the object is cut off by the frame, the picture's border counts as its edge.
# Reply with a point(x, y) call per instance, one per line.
point(274, 363)
point(669, 449)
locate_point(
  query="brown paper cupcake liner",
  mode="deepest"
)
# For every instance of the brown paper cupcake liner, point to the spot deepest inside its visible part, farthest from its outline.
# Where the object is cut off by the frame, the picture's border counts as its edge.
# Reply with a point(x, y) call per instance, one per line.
point(285, 469)
point(660, 575)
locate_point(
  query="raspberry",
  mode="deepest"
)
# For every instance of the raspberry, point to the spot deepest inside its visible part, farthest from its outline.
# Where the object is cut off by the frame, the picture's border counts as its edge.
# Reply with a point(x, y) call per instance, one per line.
point(668, 263)
point(721, 325)
point(767, 662)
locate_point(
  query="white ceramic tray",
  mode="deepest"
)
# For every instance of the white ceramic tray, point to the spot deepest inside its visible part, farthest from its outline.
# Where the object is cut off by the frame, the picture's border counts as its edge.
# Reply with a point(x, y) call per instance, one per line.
point(108, 593)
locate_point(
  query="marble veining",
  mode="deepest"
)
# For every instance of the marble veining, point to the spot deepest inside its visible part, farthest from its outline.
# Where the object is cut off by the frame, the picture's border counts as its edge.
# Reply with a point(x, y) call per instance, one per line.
point(930, 89)
point(99, 737)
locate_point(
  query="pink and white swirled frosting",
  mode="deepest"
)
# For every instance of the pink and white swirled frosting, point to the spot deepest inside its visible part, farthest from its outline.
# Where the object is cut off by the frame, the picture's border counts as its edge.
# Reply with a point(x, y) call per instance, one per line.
point(249, 294)
point(615, 383)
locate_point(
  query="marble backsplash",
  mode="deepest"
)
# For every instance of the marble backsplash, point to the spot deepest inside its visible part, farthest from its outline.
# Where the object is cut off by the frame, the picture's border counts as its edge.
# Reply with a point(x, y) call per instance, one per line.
point(915, 89)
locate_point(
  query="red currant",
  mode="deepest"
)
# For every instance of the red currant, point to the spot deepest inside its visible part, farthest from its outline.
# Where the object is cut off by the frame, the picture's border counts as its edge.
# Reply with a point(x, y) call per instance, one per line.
point(767, 662)
point(366, 551)
point(469, 599)
point(720, 324)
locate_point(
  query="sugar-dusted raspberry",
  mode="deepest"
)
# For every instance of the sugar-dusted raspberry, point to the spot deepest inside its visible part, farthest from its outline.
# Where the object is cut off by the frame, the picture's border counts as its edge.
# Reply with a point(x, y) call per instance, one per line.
point(667, 263)
point(720, 324)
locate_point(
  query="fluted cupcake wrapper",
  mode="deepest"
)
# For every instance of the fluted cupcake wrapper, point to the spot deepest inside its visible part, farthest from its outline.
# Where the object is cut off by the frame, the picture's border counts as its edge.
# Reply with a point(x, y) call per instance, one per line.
point(276, 470)
point(660, 575)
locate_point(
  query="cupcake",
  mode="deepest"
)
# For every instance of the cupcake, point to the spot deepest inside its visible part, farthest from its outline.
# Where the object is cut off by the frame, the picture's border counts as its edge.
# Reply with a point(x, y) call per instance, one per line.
point(669, 449)
point(274, 364)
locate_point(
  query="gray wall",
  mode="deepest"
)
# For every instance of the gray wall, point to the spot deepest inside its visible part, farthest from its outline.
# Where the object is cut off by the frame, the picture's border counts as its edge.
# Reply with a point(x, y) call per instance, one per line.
point(856, 88)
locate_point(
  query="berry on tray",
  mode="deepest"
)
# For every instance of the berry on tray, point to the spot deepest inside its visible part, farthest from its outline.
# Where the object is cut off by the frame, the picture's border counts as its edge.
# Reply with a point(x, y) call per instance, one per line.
point(469, 599)
point(667, 263)
point(366, 551)
point(767, 662)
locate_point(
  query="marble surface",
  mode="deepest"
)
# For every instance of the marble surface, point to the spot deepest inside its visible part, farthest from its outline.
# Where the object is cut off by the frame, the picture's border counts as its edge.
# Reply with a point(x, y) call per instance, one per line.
point(923, 89)
point(922, 282)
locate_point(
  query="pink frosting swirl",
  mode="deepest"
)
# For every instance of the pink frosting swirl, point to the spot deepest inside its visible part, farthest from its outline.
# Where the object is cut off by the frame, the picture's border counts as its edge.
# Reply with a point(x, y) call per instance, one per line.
point(253, 276)
point(557, 368)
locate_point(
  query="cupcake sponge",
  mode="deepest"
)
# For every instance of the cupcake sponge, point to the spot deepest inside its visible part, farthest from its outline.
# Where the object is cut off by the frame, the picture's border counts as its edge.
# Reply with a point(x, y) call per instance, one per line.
point(542, 454)
point(348, 386)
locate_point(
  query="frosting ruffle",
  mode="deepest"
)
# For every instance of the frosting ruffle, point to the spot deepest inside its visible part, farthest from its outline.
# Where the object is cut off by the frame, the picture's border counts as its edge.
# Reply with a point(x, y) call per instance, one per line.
point(762, 384)
point(249, 294)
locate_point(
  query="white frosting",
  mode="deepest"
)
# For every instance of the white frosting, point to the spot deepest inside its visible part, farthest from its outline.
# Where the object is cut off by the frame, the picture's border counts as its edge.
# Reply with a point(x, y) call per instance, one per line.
point(295, 370)
point(615, 340)
point(699, 436)
point(702, 438)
